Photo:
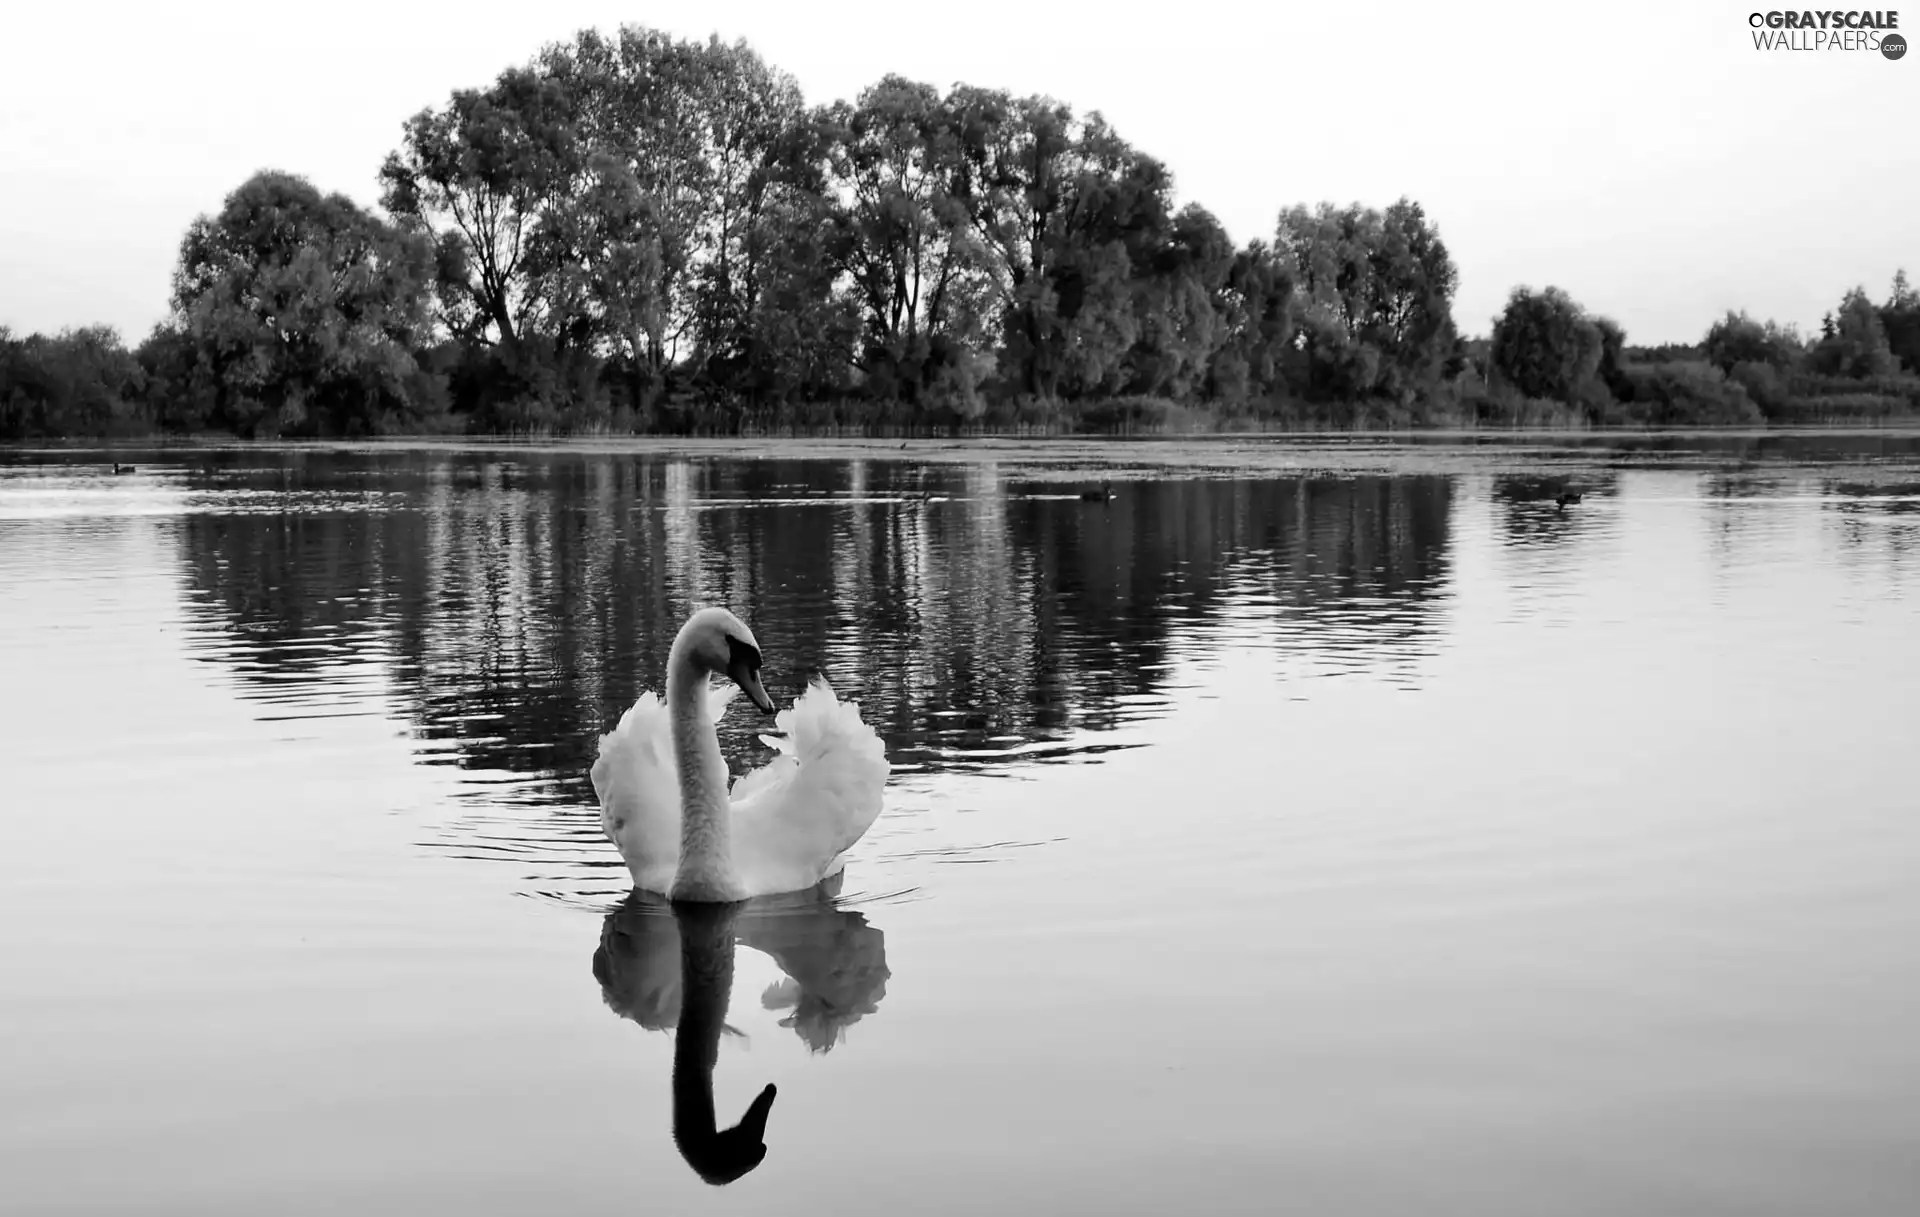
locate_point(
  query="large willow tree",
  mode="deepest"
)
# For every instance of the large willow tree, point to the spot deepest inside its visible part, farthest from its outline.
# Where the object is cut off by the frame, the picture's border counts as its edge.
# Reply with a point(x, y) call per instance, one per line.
point(1376, 299)
point(299, 313)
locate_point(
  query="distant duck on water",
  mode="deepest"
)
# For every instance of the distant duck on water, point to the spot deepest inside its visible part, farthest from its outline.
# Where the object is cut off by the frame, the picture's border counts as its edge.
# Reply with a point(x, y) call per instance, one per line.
point(1566, 497)
point(119, 468)
point(1102, 495)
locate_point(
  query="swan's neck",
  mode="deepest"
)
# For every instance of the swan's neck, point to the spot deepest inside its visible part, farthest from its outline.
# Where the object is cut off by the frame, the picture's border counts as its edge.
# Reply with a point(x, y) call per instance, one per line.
point(706, 982)
point(706, 820)
point(706, 979)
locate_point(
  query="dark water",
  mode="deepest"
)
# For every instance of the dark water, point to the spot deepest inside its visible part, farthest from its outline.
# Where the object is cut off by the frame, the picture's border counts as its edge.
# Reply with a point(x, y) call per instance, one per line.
point(1332, 827)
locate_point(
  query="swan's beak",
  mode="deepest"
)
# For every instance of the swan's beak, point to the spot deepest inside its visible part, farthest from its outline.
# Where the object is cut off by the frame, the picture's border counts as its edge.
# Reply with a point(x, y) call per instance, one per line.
point(731, 1154)
point(748, 678)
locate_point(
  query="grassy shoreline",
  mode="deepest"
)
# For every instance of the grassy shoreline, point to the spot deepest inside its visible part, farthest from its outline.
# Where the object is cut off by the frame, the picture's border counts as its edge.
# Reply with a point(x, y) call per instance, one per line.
point(1350, 450)
point(160, 440)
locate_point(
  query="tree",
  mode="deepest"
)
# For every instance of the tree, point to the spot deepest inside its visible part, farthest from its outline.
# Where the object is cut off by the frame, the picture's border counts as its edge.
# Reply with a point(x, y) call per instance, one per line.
point(77, 382)
point(1544, 344)
point(301, 311)
point(1737, 338)
point(795, 336)
point(1255, 307)
point(653, 122)
point(1376, 298)
point(180, 391)
point(1414, 281)
point(1014, 179)
point(478, 177)
point(1184, 298)
point(1098, 285)
point(919, 287)
point(1853, 342)
point(1900, 317)
point(1115, 225)
point(1611, 369)
point(766, 321)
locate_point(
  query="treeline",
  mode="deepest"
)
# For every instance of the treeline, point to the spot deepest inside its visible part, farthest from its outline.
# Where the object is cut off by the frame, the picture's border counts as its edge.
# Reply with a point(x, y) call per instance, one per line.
point(1558, 361)
point(641, 234)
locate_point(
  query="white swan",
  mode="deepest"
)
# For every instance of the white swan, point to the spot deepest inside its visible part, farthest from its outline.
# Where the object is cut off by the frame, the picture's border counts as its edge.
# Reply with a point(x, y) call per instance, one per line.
point(663, 783)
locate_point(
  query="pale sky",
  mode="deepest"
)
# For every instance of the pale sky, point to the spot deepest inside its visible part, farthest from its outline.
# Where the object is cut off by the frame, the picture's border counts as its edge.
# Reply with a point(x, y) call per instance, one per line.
point(1643, 156)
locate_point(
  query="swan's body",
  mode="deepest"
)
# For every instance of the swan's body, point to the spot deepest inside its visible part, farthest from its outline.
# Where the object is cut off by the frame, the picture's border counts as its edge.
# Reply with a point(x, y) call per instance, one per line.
point(662, 782)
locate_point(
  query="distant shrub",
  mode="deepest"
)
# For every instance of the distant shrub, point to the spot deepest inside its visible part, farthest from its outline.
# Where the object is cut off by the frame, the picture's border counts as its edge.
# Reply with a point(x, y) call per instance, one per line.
point(1131, 415)
point(1504, 406)
point(1539, 412)
point(1690, 393)
point(529, 386)
point(1835, 408)
point(1739, 339)
point(1814, 385)
point(1544, 344)
point(1763, 382)
point(77, 382)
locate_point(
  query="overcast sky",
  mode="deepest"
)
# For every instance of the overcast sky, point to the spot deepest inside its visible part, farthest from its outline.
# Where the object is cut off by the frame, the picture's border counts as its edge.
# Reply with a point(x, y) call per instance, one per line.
point(1643, 156)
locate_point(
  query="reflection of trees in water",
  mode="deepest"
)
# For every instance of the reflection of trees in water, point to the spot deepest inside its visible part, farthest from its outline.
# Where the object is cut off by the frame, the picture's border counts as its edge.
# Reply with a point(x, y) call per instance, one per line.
point(1877, 522)
point(1893, 496)
point(521, 605)
point(1753, 516)
point(1711, 450)
point(1744, 520)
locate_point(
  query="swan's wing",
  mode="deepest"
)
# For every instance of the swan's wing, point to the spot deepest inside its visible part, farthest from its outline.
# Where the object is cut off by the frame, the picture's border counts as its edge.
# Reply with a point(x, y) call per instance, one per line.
point(772, 775)
point(640, 794)
point(795, 816)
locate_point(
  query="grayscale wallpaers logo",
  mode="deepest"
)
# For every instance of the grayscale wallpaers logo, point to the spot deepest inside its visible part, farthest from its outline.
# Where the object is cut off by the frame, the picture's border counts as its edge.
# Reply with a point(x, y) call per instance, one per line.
point(1826, 30)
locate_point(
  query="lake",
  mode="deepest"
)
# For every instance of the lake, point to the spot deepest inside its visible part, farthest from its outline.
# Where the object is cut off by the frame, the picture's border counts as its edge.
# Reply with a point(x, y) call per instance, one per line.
point(1331, 826)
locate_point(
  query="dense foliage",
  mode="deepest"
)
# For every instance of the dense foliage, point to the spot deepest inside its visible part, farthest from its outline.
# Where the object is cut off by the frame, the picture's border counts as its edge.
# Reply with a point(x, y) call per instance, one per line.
point(638, 233)
point(1549, 360)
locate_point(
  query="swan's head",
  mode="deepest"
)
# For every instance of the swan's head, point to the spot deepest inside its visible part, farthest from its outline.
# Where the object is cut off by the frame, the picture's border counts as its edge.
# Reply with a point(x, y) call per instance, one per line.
point(716, 641)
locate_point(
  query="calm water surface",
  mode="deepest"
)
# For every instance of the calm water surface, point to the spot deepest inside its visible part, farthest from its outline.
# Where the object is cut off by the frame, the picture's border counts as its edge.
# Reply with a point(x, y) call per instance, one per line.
point(1332, 828)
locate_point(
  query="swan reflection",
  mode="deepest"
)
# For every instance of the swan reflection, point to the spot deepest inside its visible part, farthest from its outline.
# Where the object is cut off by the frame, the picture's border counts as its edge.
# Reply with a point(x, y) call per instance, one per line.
point(667, 965)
